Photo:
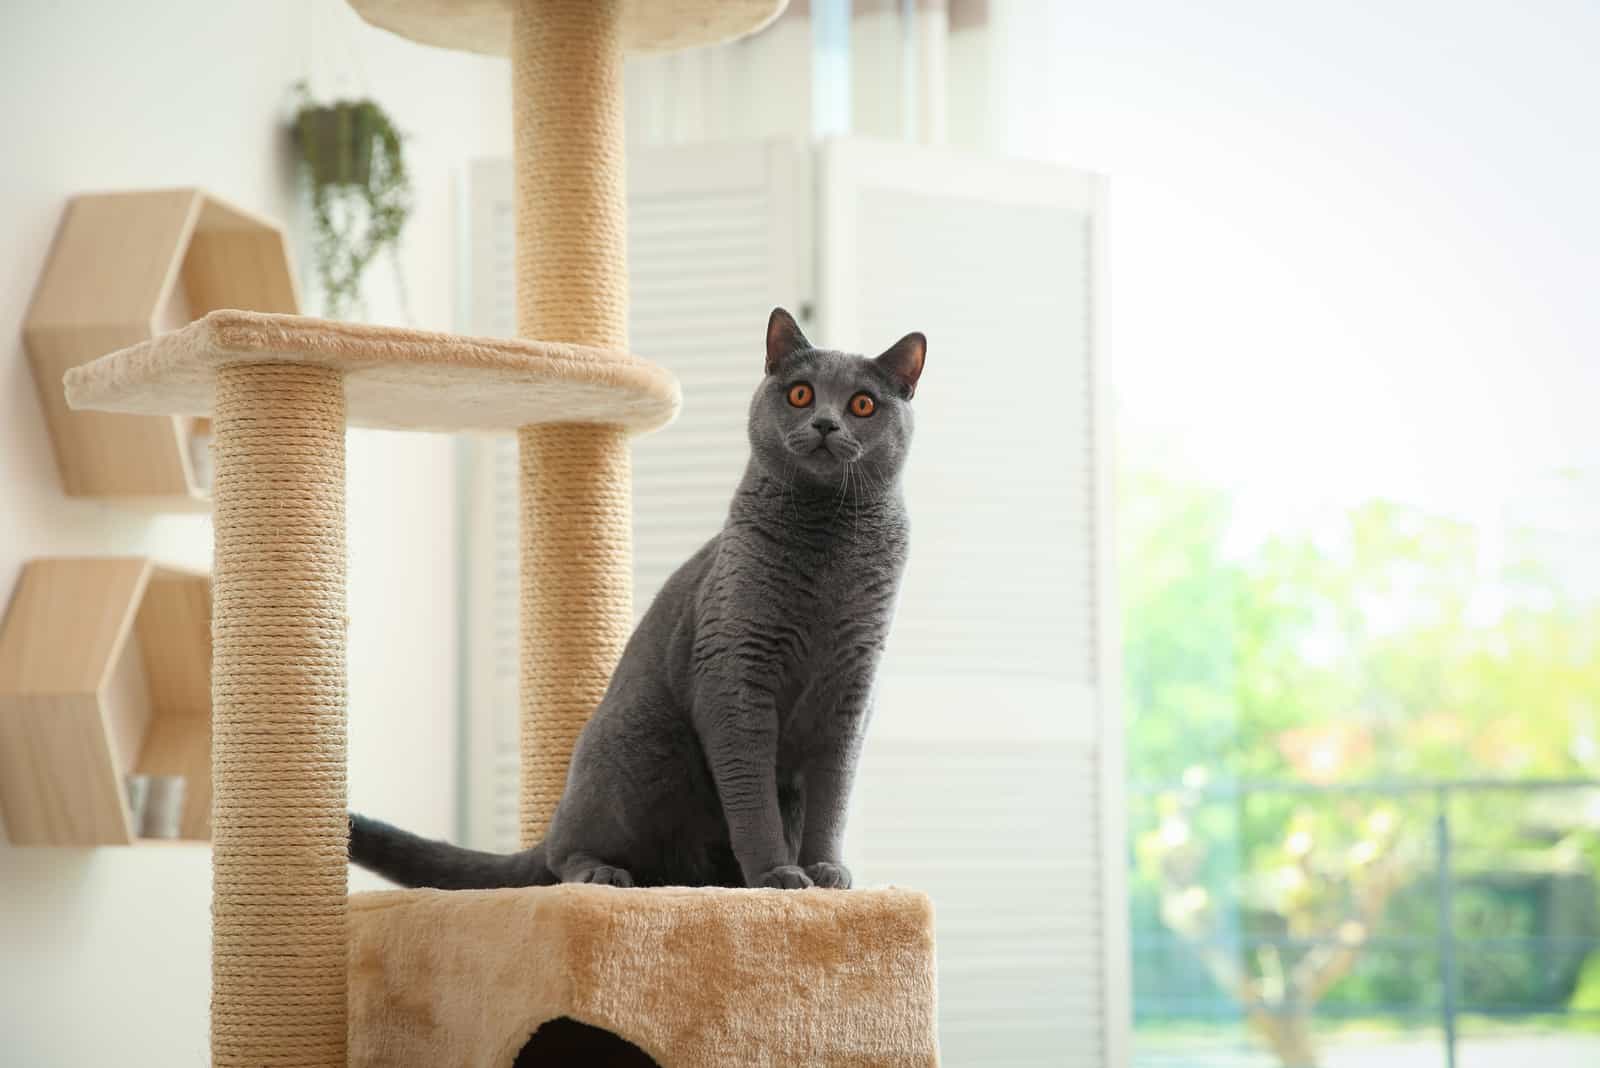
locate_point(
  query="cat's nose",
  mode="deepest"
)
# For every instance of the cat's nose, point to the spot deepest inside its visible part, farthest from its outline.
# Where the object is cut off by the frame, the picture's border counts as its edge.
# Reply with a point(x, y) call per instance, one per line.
point(823, 425)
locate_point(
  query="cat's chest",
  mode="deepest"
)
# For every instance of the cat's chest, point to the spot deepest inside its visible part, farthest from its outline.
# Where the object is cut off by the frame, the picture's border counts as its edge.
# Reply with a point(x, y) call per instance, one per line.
point(838, 621)
point(825, 681)
point(811, 608)
point(831, 595)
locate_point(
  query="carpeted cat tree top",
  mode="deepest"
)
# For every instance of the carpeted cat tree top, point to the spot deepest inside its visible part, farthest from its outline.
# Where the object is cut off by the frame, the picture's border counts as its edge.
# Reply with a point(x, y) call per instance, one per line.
point(302, 973)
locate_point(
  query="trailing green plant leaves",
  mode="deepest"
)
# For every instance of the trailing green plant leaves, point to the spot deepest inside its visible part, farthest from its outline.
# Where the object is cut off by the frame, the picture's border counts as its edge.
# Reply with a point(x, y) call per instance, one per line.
point(354, 163)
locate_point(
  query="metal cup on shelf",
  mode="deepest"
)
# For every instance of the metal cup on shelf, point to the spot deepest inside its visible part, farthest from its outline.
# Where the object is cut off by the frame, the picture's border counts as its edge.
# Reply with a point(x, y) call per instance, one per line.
point(138, 800)
point(163, 810)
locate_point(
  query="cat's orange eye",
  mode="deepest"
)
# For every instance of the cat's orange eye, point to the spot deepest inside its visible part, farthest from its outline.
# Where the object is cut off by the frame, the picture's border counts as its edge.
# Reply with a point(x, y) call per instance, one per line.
point(862, 405)
point(800, 395)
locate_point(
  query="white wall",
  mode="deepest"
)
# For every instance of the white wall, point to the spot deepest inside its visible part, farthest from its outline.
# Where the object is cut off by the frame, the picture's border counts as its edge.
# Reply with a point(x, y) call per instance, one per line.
point(104, 953)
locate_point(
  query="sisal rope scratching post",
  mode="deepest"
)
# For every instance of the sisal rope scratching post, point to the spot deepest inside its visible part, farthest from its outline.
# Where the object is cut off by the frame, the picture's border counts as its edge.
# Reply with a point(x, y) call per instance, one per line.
point(278, 718)
point(572, 286)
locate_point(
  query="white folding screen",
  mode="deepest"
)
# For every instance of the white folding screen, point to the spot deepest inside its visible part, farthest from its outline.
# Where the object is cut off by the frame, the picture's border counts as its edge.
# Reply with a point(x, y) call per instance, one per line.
point(992, 775)
point(716, 238)
point(489, 653)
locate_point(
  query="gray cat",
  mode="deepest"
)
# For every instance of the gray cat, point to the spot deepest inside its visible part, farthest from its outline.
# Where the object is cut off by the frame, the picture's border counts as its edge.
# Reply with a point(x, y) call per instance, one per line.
point(723, 751)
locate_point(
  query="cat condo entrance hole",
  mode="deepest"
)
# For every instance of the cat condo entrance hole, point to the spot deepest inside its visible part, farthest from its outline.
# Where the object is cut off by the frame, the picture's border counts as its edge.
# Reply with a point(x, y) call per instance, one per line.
point(565, 1041)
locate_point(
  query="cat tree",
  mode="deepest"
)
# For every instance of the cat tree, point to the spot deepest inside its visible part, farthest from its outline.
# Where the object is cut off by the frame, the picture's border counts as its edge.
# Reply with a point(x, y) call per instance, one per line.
point(303, 974)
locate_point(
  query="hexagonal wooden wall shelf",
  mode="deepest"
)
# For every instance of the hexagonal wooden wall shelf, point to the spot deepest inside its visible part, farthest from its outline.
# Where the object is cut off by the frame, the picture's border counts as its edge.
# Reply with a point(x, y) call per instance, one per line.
point(125, 267)
point(105, 669)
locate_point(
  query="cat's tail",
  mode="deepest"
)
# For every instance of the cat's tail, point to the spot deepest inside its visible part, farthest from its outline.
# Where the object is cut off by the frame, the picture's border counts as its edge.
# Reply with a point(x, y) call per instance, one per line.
point(411, 860)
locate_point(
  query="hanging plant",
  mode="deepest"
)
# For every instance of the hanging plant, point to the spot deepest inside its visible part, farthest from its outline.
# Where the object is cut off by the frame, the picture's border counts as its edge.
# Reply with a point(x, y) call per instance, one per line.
point(354, 164)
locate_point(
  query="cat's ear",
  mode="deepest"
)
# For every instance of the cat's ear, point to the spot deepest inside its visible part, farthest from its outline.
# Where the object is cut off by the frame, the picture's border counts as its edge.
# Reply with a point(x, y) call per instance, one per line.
point(784, 339)
point(904, 359)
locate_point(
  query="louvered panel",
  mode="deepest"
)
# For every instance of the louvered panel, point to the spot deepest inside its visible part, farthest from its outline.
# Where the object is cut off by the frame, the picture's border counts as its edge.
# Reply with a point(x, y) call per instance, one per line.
point(1005, 837)
point(982, 780)
point(490, 652)
point(506, 651)
point(1001, 483)
point(711, 250)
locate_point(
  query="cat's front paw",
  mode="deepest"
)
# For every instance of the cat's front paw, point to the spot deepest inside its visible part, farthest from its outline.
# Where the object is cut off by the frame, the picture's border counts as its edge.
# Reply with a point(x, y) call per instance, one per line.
point(603, 875)
point(786, 877)
point(828, 874)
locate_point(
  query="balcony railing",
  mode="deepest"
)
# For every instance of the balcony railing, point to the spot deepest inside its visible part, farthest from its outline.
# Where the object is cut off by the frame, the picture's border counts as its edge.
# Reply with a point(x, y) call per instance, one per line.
point(1521, 856)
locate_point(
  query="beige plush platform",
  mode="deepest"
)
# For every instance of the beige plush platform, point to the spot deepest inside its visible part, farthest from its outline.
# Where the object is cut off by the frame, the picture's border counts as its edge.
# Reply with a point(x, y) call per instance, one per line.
point(394, 378)
point(702, 977)
point(647, 25)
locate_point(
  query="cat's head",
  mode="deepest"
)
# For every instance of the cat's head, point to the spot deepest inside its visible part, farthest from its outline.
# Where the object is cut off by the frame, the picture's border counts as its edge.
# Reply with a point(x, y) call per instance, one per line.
point(821, 418)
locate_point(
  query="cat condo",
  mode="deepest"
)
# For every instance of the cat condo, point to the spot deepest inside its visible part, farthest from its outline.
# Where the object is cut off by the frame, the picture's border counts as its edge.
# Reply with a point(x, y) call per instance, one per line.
point(302, 972)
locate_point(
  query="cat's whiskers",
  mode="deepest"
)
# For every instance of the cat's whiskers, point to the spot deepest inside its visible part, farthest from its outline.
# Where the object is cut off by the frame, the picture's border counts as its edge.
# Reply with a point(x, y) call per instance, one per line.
point(855, 520)
point(874, 486)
